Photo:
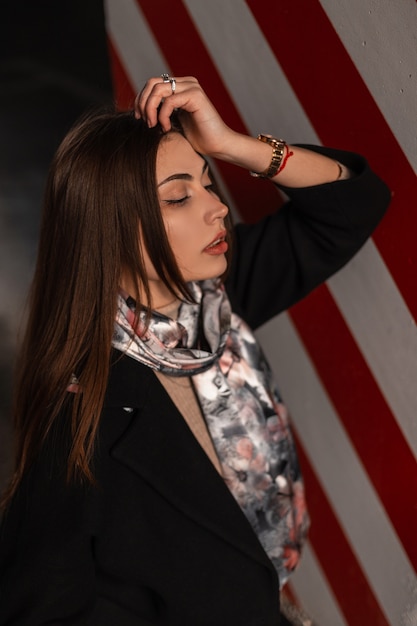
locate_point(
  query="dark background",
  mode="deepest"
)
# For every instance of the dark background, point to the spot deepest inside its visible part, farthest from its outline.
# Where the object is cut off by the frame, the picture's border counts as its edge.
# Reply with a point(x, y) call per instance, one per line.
point(53, 66)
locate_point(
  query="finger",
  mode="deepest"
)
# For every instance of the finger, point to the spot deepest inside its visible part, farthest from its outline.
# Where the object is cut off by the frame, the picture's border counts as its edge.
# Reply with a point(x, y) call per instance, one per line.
point(163, 100)
point(165, 111)
point(160, 94)
point(188, 100)
point(141, 100)
point(143, 95)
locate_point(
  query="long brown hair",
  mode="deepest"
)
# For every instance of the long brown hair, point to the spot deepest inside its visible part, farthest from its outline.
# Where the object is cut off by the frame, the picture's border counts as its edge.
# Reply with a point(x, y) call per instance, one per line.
point(101, 187)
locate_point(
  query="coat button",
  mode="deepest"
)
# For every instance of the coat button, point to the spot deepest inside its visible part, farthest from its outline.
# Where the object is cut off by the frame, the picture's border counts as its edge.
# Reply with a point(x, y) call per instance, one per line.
point(128, 409)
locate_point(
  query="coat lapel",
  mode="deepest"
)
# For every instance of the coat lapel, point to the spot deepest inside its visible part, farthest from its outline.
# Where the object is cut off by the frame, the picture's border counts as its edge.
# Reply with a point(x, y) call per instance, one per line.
point(159, 446)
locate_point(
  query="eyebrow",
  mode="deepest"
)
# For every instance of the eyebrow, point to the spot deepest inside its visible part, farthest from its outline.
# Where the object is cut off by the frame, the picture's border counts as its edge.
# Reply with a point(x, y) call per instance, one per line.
point(184, 176)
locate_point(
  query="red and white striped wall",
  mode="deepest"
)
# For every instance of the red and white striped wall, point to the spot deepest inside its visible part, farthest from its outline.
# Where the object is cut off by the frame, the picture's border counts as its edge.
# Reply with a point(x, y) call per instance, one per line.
point(343, 74)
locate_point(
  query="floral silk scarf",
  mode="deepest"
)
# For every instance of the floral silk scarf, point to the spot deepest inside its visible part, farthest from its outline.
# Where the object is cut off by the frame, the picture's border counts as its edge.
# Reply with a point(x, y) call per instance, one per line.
point(247, 420)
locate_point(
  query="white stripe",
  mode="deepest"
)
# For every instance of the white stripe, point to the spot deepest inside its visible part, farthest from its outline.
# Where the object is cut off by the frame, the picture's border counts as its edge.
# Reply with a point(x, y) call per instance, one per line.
point(341, 473)
point(310, 584)
point(250, 70)
point(134, 42)
point(381, 40)
point(386, 333)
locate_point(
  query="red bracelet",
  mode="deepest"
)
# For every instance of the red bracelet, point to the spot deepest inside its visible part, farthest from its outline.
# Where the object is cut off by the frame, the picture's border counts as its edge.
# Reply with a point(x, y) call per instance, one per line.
point(288, 154)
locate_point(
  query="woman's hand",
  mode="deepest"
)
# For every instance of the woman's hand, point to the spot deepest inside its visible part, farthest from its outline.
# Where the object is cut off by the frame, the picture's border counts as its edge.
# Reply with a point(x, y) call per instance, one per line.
point(203, 126)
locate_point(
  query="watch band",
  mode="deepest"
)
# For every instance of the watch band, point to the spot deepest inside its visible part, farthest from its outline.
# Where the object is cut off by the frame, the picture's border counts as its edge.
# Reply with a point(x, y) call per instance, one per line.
point(278, 151)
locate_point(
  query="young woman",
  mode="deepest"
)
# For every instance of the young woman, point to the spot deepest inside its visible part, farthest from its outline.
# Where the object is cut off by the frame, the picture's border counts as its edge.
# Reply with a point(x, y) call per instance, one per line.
point(156, 477)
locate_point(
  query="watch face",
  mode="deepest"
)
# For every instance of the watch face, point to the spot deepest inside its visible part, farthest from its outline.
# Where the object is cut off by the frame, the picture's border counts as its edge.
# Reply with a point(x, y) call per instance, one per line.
point(273, 141)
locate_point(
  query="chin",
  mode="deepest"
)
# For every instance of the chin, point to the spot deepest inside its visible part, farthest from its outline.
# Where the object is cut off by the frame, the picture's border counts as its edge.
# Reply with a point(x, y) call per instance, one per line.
point(206, 274)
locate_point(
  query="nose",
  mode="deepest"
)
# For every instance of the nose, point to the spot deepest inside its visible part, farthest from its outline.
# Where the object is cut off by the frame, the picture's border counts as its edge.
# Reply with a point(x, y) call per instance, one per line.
point(216, 209)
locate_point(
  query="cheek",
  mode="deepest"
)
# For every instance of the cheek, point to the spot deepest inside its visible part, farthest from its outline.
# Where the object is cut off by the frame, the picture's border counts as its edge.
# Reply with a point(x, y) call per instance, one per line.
point(183, 238)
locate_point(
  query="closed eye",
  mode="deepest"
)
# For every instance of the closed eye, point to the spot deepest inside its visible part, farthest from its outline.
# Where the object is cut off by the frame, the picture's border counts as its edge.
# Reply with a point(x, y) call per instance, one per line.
point(178, 202)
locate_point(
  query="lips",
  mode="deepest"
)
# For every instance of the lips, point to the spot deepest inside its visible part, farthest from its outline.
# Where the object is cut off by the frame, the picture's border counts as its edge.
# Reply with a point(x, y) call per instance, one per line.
point(220, 238)
point(218, 246)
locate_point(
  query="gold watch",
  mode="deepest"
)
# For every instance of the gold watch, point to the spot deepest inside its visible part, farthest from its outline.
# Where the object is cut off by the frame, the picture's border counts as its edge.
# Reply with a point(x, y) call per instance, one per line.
point(278, 150)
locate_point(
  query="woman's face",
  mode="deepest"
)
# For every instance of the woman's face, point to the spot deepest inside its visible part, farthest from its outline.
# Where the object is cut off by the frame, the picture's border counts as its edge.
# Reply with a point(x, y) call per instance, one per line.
point(193, 214)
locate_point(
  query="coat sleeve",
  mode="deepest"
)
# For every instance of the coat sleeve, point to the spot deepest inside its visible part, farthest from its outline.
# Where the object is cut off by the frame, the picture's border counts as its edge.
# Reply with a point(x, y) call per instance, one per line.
point(280, 259)
point(46, 551)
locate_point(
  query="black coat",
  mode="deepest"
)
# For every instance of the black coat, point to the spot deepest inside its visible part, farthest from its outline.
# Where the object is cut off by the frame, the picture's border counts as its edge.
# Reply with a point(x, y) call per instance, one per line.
point(159, 539)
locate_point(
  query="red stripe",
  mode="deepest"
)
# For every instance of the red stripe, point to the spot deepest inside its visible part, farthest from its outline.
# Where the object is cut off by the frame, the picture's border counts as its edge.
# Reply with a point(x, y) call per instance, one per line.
point(362, 409)
point(344, 114)
point(186, 55)
point(122, 87)
point(340, 566)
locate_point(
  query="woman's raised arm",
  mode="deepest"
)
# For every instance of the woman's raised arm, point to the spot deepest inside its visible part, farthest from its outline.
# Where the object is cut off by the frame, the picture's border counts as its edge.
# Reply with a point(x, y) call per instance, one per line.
point(209, 135)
